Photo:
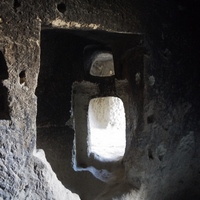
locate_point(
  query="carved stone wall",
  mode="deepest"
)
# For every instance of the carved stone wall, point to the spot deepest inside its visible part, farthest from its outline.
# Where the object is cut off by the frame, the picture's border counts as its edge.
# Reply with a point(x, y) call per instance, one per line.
point(163, 156)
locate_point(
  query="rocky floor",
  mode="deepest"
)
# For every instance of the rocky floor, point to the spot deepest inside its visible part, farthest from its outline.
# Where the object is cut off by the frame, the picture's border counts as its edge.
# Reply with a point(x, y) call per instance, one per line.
point(57, 144)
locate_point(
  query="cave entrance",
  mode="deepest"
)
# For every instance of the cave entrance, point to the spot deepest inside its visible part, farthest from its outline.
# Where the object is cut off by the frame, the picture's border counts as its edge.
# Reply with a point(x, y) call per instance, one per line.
point(65, 82)
point(107, 128)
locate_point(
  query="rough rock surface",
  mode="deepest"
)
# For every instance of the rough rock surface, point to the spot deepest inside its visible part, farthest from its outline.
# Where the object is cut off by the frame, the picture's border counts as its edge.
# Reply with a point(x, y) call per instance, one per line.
point(163, 158)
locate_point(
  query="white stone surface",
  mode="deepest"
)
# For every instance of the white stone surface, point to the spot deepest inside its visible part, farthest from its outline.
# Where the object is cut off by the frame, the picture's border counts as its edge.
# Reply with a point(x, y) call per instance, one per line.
point(106, 123)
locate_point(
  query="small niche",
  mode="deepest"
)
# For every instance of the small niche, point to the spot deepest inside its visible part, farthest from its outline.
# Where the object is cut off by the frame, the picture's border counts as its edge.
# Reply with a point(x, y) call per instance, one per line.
point(150, 119)
point(22, 77)
point(61, 7)
point(102, 65)
point(150, 154)
point(99, 61)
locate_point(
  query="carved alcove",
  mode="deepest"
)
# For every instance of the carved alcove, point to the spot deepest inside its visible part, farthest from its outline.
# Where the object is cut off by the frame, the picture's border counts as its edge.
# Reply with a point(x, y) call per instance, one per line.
point(63, 71)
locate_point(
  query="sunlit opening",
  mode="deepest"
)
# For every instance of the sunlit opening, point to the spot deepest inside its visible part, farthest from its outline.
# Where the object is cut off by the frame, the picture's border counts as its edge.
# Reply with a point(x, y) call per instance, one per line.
point(106, 124)
point(102, 65)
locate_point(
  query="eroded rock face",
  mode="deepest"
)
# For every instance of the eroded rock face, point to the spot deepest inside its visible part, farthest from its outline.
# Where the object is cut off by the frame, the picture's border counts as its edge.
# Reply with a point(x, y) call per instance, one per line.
point(162, 157)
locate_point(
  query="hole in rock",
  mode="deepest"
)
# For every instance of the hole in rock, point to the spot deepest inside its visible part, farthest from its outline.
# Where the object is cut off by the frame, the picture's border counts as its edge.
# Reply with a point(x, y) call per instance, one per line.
point(22, 77)
point(160, 157)
point(61, 7)
point(150, 154)
point(16, 4)
point(62, 64)
point(3, 67)
point(150, 119)
point(102, 65)
point(107, 128)
point(4, 109)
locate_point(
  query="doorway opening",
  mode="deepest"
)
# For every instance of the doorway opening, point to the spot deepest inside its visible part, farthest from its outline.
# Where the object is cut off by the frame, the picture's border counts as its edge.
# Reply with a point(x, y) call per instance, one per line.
point(107, 128)
point(62, 65)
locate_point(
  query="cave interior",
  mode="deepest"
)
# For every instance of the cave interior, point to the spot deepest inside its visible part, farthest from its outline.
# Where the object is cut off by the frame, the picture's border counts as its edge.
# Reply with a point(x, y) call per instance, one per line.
point(99, 100)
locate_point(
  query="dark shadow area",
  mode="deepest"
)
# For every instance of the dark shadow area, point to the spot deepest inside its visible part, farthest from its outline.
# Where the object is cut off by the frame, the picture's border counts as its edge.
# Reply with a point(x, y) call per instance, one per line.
point(187, 194)
point(4, 109)
point(22, 77)
point(61, 7)
point(16, 4)
point(3, 67)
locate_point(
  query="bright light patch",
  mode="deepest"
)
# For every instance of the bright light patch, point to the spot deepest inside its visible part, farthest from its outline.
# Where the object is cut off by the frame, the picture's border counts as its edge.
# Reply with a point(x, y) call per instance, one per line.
point(107, 129)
